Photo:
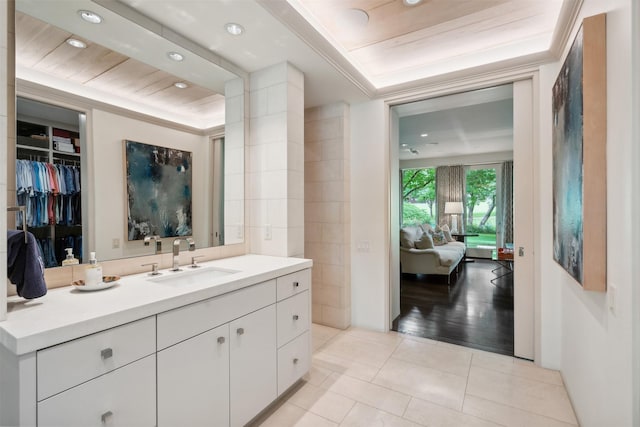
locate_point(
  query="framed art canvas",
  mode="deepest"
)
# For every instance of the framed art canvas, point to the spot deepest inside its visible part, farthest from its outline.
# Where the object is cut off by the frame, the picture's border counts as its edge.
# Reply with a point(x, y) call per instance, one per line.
point(159, 186)
point(579, 158)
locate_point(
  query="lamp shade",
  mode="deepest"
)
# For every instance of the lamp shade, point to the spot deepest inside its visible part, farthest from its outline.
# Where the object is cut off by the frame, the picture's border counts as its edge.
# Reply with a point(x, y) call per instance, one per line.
point(453, 208)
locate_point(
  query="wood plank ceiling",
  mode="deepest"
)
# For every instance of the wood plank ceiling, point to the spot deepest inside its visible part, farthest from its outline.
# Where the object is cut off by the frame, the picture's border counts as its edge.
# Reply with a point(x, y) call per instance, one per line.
point(399, 42)
point(42, 47)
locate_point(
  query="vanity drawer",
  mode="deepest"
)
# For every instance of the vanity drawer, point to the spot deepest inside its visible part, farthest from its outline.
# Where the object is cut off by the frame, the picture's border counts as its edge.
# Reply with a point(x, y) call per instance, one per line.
point(69, 364)
point(293, 317)
point(293, 283)
point(188, 321)
point(124, 397)
point(293, 362)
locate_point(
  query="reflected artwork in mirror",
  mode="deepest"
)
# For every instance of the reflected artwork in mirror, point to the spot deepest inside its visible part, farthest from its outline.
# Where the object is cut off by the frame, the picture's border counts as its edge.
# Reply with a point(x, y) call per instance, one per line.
point(159, 187)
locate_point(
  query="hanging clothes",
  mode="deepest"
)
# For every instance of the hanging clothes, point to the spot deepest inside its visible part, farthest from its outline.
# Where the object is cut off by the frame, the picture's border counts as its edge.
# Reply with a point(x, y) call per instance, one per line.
point(51, 193)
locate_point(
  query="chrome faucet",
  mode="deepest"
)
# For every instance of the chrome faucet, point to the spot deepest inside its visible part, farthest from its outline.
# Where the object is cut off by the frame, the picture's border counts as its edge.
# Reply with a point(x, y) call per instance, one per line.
point(155, 237)
point(176, 250)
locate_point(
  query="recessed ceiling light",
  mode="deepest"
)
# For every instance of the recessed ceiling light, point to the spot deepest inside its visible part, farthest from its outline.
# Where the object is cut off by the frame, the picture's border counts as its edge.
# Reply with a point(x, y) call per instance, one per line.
point(175, 56)
point(76, 43)
point(89, 16)
point(355, 18)
point(404, 145)
point(411, 2)
point(424, 135)
point(234, 29)
point(181, 85)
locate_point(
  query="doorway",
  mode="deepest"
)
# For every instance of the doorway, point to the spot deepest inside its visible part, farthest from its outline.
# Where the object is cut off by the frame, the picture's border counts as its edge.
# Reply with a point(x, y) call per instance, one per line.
point(522, 136)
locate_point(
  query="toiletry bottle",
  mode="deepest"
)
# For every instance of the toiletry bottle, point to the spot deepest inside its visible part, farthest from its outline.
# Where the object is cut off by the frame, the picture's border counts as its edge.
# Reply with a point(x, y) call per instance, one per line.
point(70, 259)
point(93, 273)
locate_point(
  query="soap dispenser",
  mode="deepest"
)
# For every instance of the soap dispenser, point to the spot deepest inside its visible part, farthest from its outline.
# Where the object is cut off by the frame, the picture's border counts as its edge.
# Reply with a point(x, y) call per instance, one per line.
point(93, 273)
point(70, 258)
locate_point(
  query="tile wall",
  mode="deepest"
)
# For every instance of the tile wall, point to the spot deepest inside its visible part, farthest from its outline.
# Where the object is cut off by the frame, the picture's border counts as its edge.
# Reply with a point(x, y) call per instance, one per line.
point(275, 191)
point(234, 160)
point(327, 212)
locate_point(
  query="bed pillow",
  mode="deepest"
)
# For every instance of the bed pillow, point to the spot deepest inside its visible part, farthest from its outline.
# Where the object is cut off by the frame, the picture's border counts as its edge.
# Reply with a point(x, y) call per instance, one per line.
point(438, 238)
point(424, 242)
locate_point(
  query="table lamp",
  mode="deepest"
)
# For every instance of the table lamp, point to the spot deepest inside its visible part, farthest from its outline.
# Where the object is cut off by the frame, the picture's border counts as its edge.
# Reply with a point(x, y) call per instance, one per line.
point(454, 209)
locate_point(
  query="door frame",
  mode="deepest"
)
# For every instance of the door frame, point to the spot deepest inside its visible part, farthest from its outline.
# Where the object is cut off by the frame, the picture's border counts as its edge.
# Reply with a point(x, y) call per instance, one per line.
point(527, 311)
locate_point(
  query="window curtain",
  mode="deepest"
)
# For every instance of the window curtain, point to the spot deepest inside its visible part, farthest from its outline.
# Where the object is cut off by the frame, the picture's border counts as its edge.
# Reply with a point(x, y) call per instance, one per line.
point(450, 187)
point(507, 202)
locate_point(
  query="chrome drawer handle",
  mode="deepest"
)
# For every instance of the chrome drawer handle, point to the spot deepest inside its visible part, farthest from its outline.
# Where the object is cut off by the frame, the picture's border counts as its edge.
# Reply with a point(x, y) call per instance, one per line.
point(296, 317)
point(296, 284)
point(106, 353)
point(105, 417)
point(220, 340)
point(295, 361)
point(240, 331)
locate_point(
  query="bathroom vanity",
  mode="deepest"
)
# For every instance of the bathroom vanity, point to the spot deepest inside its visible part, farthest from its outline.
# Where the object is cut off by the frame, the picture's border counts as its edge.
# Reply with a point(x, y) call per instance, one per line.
point(213, 346)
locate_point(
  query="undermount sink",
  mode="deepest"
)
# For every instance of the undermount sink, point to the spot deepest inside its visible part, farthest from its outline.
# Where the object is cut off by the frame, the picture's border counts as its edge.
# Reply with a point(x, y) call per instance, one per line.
point(189, 276)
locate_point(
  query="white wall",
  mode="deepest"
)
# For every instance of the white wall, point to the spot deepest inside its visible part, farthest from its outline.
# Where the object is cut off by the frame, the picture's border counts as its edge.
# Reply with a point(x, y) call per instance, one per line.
point(107, 164)
point(472, 159)
point(369, 216)
point(595, 346)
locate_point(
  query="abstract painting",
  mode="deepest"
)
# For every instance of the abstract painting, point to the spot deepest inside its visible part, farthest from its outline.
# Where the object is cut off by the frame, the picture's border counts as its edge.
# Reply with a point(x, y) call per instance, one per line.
point(579, 150)
point(159, 183)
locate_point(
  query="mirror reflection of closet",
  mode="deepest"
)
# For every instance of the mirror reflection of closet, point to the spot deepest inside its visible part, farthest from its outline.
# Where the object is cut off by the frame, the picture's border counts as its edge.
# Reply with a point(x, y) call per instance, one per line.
point(49, 175)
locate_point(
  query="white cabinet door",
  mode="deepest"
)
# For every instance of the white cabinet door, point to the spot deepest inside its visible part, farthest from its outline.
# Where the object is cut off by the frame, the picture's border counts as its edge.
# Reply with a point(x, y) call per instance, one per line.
point(193, 381)
point(294, 360)
point(123, 397)
point(253, 364)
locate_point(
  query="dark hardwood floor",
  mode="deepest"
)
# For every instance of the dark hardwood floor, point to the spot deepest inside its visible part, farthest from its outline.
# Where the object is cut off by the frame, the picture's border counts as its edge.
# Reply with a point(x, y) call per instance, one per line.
point(472, 312)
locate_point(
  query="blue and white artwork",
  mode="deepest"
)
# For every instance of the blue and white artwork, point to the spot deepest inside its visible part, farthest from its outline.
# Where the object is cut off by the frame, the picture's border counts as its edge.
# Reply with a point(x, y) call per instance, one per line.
point(158, 191)
point(568, 163)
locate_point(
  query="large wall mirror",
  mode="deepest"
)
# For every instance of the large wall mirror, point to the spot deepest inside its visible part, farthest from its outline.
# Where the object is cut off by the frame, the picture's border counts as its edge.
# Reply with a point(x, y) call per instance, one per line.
point(124, 84)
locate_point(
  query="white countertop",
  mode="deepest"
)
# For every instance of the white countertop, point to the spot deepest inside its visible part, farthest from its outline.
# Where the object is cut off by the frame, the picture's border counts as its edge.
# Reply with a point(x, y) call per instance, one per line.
point(66, 313)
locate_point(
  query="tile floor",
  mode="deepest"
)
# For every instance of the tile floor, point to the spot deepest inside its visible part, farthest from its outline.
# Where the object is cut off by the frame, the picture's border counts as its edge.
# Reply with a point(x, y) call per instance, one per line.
point(364, 378)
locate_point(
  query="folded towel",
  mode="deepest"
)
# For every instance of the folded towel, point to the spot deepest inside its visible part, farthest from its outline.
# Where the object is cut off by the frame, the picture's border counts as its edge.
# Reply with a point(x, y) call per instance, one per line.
point(25, 267)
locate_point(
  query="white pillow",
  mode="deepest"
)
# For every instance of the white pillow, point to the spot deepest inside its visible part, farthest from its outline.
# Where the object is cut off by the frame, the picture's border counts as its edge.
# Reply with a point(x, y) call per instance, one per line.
point(426, 228)
point(447, 233)
point(406, 239)
point(424, 242)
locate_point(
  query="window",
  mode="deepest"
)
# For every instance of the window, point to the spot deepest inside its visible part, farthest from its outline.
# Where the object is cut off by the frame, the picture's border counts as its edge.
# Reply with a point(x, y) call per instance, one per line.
point(418, 196)
point(481, 207)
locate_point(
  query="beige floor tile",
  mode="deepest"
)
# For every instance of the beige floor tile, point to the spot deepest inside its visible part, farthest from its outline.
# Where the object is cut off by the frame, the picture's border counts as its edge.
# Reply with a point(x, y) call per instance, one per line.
point(323, 360)
point(385, 338)
point(506, 415)
point(432, 415)
point(370, 394)
point(289, 415)
point(317, 374)
point(322, 402)
point(445, 359)
point(363, 351)
point(425, 383)
point(419, 339)
point(366, 416)
point(534, 396)
point(455, 347)
point(322, 334)
point(512, 366)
